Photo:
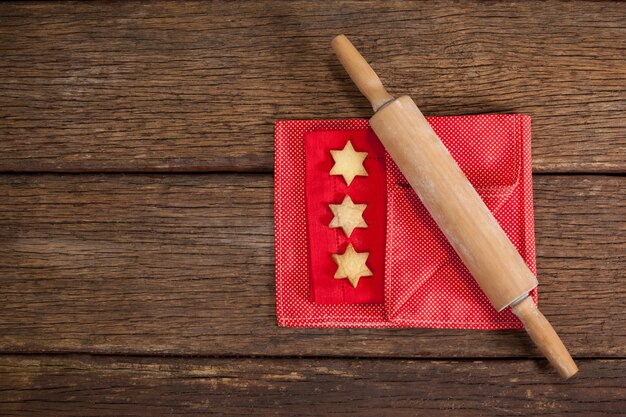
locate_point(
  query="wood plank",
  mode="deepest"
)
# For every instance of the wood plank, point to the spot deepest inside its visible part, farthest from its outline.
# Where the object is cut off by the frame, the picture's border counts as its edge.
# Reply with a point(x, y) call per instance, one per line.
point(197, 86)
point(184, 264)
point(105, 386)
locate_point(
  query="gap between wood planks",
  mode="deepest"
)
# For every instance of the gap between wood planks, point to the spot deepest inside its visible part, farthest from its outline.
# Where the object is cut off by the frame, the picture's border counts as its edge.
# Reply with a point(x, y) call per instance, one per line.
point(83, 353)
point(617, 173)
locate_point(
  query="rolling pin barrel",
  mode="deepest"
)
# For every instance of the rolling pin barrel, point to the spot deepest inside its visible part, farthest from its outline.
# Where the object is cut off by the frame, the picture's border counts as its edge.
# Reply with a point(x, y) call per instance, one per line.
point(454, 204)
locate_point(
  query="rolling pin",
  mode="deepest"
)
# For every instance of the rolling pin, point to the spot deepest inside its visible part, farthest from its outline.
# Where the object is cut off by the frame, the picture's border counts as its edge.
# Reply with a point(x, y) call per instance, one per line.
point(455, 205)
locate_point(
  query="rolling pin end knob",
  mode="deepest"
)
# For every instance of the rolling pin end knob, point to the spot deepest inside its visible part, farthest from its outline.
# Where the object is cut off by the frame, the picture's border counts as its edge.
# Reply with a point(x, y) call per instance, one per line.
point(360, 72)
point(544, 336)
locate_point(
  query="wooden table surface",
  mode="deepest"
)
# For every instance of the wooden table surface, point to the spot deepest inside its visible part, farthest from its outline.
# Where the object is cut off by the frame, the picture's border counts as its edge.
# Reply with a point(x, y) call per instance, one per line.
point(136, 223)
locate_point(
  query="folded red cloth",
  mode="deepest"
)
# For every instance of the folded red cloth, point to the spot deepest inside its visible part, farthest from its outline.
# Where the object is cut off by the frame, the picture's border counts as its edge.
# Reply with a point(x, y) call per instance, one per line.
point(417, 278)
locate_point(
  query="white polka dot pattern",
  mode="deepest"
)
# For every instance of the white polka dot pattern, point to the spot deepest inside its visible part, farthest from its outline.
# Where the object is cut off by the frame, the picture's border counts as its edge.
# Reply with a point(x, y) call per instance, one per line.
point(426, 285)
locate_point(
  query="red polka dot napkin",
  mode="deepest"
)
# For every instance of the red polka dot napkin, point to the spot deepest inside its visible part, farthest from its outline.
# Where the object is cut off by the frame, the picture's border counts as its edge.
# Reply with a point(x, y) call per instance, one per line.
point(417, 279)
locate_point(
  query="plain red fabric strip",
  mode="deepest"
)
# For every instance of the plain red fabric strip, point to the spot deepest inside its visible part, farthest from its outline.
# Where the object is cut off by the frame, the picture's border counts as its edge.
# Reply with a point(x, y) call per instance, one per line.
point(323, 189)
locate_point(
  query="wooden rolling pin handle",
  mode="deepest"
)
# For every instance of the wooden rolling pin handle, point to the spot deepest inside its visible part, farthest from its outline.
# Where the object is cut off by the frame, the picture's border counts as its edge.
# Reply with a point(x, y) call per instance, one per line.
point(360, 72)
point(544, 336)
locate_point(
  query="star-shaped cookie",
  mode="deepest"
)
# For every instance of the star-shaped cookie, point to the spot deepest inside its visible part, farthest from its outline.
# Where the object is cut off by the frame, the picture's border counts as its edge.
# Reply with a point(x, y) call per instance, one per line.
point(351, 265)
point(348, 163)
point(348, 215)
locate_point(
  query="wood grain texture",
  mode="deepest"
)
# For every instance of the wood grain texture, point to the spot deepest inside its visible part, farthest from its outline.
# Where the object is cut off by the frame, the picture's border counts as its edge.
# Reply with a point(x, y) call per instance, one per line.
point(184, 264)
point(103, 386)
point(128, 86)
